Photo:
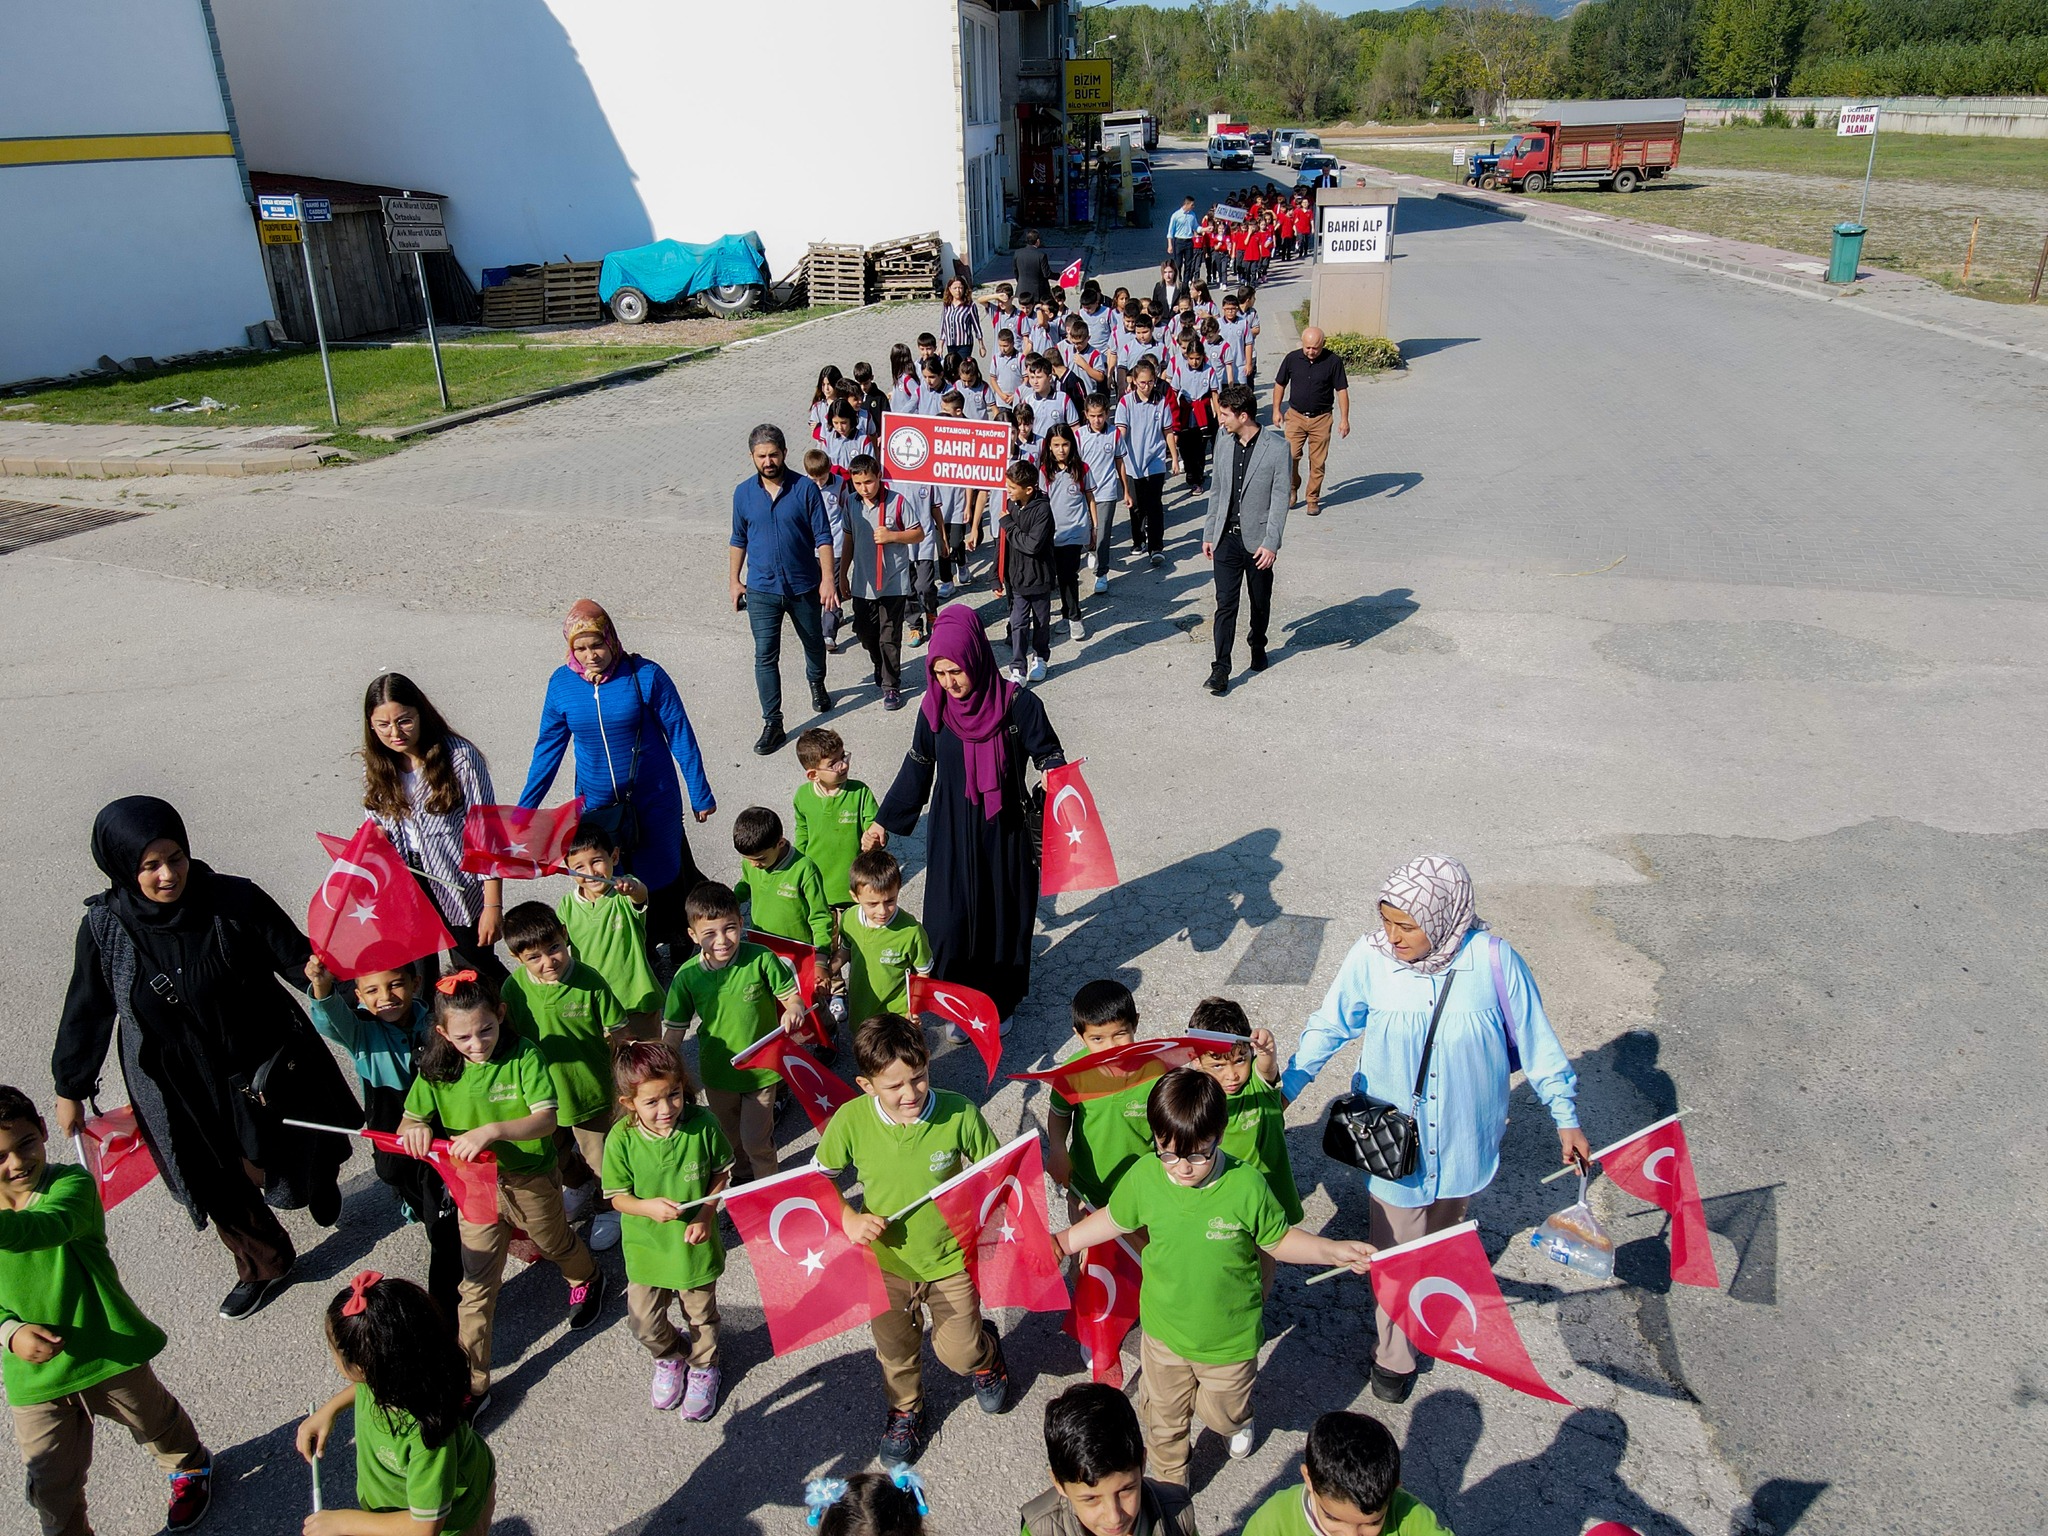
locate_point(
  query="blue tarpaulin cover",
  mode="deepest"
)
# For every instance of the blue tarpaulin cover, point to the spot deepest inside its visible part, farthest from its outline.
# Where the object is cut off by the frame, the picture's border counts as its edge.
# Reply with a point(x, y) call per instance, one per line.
point(670, 269)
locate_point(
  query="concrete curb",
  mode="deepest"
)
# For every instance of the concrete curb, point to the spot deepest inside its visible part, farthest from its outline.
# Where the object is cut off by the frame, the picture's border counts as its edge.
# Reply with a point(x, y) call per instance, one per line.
point(126, 467)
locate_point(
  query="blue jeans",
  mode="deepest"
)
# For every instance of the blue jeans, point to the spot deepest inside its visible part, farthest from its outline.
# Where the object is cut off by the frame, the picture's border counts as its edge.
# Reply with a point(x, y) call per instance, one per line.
point(806, 616)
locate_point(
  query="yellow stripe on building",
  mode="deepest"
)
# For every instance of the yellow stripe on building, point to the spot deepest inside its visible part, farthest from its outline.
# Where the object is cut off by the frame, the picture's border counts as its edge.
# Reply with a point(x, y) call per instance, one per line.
point(115, 146)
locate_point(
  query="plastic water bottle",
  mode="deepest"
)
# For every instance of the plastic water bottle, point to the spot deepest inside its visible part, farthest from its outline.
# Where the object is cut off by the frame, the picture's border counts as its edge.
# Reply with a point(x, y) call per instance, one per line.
point(1573, 1252)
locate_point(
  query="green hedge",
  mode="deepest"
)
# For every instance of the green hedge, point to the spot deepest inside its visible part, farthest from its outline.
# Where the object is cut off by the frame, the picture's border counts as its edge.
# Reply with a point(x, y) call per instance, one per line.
point(1368, 354)
point(2000, 66)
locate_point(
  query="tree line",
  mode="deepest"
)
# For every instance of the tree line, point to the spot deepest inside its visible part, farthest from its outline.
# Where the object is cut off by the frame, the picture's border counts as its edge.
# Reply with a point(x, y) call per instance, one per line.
point(1298, 63)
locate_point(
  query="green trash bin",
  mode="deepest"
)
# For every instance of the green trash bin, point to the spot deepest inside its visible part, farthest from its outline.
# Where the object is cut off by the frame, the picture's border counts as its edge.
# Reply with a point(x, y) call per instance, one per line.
point(1848, 251)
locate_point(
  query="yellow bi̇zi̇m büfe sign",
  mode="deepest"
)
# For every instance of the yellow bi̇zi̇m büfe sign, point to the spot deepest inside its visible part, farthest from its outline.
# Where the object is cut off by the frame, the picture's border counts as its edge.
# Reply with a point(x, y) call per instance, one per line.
point(1089, 86)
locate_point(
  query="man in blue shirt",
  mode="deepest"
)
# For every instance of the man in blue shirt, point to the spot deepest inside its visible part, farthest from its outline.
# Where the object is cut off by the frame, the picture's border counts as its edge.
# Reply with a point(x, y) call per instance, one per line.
point(1180, 237)
point(782, 563)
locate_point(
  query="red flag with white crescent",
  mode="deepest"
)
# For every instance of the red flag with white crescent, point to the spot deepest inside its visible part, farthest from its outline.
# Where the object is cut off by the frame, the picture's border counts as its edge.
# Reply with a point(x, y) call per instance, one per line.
point(1070, 277)
point(997, 1212)
point(1106, 1282)
point(1077, 856)
point(1440, 1290)
point(1101, 1073)
point(817, 1089)
point(803, 960)
point(370, 913)
point(815, 1282)
point(971, 1012)
point(116, 1156)
point(512, 842)
point(1655, 1164)
point(473, 1184)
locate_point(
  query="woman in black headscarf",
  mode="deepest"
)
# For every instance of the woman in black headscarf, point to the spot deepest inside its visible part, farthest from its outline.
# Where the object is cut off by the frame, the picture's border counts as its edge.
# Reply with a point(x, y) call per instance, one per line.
point(215, 1054)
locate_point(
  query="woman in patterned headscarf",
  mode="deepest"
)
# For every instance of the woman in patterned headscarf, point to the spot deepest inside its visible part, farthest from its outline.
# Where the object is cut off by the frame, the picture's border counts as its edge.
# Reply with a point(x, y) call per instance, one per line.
point(1431, 946)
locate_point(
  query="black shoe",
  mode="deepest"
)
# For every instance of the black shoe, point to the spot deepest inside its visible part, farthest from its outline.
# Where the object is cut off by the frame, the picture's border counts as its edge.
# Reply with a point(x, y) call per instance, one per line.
point(1258, 658)
point(892, 698)
point(583, 1310)
point(1392, 1386)
point(992, 1386)
point(902, 1437)
point(1219, 682)
point(191, 1498)
point(325, 1206)
point(251, 1296)
point(772, 738)
point(821, 701)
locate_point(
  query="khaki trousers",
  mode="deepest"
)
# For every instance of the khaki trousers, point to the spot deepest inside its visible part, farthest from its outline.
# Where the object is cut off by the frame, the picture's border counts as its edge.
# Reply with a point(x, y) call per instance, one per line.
point(1172, 1391)
point(1314, 431)
point(647, 1311)
point(589, 1136)
point(529, 1200)
point(748, 1120)
point(957, 1335)
point(1388, 1226)
point(56, 1442)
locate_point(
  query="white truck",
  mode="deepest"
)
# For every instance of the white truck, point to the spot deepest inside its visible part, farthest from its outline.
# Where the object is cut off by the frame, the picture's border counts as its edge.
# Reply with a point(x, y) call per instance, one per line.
point(1140, 127)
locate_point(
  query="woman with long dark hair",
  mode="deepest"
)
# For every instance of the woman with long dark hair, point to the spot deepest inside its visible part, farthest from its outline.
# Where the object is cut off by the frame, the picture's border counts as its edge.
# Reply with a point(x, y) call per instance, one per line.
point(215, 1054)
point(419, 781)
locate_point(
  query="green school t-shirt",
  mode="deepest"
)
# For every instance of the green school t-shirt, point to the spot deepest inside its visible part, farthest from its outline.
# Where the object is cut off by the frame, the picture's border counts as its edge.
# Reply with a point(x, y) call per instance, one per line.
point(1109, 1135)
point(879, 963)
point(680, 1166)
point(737, 1003)
point(1201, 1296)
point(569, 1020)
point(55, 1271)
point(610, 936)
point(510, 1086)
point(828, 831)
point(395, 1470)
point(788, 900)
point(1286, 1514)
point(1256, 1135)
point(897, 1163)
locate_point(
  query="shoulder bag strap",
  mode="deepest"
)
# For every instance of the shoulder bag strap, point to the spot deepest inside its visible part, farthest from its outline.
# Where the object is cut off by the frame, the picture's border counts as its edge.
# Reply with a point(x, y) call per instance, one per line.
point(1507, 1013)
point(639, 735)
point(1429, 1040)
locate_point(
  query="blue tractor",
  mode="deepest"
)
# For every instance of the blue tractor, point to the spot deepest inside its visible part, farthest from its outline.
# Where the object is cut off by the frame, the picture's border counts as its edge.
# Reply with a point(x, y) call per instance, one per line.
point(1482, 168)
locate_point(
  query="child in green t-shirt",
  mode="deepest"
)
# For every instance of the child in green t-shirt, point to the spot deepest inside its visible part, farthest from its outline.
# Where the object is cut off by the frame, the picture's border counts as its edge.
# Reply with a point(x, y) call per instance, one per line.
point(885, 943)
point(606, 916)
point(902, 1140)
point(487, 1089)
point(740, 991)
point(1207, 1219)
point(1256, 1133)
point(1093, 1141)
point(1351, 1481)
point(73, 1346)
point(420, 1464)
point(780, 888)
point(663, 1157)
point(834, 815)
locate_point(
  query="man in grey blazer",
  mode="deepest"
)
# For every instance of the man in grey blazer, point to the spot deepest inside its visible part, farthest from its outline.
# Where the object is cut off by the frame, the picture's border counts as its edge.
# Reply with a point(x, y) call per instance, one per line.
point(1248, 495)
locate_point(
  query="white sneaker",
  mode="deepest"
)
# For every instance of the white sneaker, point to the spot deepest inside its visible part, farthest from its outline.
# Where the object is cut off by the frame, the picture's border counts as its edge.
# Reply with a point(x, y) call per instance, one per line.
point(1077, 630)
point(1014, 674)
point(1242, 1442)
point(1037, 673)
point(604, 1231)
point(576, 1203)
point(1101, 585)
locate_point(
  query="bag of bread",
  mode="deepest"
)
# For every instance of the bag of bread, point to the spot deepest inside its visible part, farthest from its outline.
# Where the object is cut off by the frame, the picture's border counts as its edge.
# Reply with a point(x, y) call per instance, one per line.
point(1575, 1239)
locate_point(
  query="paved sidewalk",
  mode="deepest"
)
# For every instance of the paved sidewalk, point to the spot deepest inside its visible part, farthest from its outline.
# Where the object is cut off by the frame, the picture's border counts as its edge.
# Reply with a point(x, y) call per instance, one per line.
point(105, 452)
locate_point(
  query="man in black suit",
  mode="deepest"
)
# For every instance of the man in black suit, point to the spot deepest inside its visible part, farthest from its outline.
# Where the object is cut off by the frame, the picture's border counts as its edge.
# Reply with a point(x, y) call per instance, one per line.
point(1034, 279)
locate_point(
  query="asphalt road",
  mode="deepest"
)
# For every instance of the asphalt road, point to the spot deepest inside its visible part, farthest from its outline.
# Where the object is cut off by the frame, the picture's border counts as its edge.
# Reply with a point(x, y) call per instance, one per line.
point(1702, 621)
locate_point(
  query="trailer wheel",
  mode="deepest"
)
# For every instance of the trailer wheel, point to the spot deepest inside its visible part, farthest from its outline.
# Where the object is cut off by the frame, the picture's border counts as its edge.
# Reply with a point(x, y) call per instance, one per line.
point(1624, 181)
point(731, 299)
point(629, 306)
point(1533, 182)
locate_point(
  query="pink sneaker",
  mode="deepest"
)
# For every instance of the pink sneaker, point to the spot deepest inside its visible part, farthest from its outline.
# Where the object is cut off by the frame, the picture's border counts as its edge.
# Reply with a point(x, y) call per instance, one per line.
point(668, 1384)
point(701, 1400)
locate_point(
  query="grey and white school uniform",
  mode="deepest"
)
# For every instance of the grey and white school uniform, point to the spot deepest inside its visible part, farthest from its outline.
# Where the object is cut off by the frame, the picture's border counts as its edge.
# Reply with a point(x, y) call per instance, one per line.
point(1007, 374)
point(1142, 426)
point(975, 400)
point(1071, 538)
point(1100, 451)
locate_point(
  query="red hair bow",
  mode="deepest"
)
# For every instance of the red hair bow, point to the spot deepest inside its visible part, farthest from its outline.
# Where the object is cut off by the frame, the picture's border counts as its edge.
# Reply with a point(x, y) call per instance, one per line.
point(447, 984)
point(358, 1293)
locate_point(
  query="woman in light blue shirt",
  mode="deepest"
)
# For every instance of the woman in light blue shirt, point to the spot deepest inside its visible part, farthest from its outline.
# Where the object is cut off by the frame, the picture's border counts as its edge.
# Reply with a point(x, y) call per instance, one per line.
point(1431, 942)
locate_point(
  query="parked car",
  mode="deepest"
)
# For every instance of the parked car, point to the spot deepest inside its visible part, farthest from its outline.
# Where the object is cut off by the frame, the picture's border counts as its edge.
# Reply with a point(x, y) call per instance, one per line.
point(1141, 180)
point(1280, 138)
point(1227, 150)
point(1313, 168)
point(1262, 143)
point(1297, 144)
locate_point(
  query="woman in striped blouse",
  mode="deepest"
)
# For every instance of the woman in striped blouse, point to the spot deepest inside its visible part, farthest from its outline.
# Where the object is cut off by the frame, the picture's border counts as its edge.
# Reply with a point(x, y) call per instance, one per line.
point(419, 781)
point(960, 322)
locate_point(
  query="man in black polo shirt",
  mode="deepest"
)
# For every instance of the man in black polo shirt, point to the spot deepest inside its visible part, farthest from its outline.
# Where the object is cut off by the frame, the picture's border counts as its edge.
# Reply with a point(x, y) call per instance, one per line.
point(1312, 377)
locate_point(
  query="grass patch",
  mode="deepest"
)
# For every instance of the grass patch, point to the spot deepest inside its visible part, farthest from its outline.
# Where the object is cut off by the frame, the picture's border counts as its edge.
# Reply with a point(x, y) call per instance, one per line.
point(608, 334)
point(1950, 159)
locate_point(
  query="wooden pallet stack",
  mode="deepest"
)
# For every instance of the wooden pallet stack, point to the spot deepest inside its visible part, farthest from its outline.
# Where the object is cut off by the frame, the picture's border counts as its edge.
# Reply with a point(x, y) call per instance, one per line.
point(517, 302)
point(571, 292)
point(904, 268)
point(835, 274)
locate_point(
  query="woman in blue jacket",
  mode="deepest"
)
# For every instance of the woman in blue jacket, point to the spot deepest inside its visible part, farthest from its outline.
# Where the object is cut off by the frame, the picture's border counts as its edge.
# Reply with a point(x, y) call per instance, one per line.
point(631, 735)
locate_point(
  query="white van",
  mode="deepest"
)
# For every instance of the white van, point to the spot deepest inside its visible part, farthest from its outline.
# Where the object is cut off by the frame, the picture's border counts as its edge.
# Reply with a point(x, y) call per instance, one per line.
point(1229, 149)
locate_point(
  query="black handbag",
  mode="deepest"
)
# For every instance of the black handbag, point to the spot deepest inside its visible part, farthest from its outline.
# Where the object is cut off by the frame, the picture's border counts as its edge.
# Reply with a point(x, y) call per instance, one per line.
point(1372, 1134)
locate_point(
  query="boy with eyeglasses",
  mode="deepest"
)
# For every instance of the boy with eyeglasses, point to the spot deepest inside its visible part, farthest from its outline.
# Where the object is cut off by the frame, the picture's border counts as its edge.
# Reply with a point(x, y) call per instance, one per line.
point(1207, 1219)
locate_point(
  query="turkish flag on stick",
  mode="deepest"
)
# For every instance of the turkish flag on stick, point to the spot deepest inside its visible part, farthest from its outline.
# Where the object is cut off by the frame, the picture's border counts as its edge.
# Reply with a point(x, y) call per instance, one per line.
point(1101, 1073)
point(803, 959)
point(474, 1184)
point(1071, 276)
point(814, 1283)
point(816, 1089)
point(369, 913)
point(512, 842)
point(1655, 1164)
point(1442, 1293)
point(1105, 1307)
point(114, 1153)
point(997, 1212)
point(965, 1009)
point(1077, 856)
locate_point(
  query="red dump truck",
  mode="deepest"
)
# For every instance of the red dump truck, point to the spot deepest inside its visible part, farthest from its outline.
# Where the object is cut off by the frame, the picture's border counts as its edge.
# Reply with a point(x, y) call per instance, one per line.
point(1607, 144)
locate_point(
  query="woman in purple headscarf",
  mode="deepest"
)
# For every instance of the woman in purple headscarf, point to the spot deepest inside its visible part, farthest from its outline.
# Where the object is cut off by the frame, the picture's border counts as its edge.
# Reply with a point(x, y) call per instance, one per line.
point(966, 758)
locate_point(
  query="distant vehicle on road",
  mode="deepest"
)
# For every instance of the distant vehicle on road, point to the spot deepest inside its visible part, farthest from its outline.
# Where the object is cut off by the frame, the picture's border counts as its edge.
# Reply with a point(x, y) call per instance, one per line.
point(1316, 169)
point(1262, 142)
point(1280, 138)
point(1614, 145)
point(1141, 180)
point(1297, 144)
point(1140, 127)
point(1227, 150)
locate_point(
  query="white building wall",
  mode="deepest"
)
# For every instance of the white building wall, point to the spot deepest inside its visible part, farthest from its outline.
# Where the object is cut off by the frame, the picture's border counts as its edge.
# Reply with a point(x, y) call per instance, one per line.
point(569, 128)
point(124, 256)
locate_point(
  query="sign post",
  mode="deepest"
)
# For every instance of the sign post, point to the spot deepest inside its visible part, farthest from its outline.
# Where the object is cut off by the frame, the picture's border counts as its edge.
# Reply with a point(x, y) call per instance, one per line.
point(287, 210)
point(1350, 286)
point(1861, 123)
point(415, 224)
point(1090, 87)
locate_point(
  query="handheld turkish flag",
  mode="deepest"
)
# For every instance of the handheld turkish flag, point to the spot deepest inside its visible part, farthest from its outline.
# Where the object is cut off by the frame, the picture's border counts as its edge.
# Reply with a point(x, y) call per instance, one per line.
point(997, 1212)
point(1655, 1164)
point(369, 913)
point(1101, 1073)
point(803, 959)
point(514, 843)
point(1077, 856)
point(816, 1089)
point(116, 1156)
point(1071, 276)
point(1469, 1325)
point(1105, 1307)
point(965, 1009)
point(815, 1283)
point(474, 1184)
